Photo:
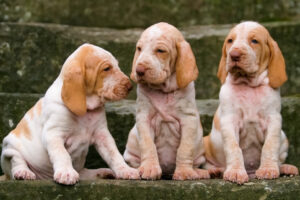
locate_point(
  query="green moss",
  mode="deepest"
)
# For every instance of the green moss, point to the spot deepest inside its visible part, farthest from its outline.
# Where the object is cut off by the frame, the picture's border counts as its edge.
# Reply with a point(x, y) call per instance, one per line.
point(31, 55)
point(283, 188)
point(121, 118)
point(138, 13)
point(291, 126)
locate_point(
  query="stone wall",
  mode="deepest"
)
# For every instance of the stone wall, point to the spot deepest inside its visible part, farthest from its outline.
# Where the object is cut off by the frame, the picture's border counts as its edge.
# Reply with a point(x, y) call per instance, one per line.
point(139, 13)
point(31, 55)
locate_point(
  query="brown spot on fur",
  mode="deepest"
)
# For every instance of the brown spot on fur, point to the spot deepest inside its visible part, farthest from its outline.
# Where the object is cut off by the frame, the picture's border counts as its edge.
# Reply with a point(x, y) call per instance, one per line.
point(209, 151)
point(100, 78)
point(31, 112)
point(217, 125)
point(38, 107)
point(186, 68)
point(22, 129)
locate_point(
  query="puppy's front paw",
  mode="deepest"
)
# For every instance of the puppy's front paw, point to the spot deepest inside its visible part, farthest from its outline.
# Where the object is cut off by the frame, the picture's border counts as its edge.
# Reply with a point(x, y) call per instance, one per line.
point(66, 176)
point(238, 176)
point(126, 172)
point(287, 169)
point(216, 172)
point(150, 170)
point(267, 173)
point(24, 174)
point(203, 173)
point(188, 173)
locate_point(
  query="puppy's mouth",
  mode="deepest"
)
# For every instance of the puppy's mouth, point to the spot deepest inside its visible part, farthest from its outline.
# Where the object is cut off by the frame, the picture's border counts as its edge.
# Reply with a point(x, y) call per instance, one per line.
point(151, 78)
point(239, 72)
point(118, 93)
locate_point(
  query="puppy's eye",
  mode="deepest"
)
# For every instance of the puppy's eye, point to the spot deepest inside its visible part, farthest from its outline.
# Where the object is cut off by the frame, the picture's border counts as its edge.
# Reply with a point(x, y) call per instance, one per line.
point(139, 48)
point(107, 68)
point(160, 51)
point(254, 41)
point(229, 40)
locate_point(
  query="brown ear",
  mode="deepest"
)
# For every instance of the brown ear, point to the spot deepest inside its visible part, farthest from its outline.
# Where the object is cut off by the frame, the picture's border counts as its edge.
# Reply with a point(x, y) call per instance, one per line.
point(276, 69)
point(132, 74)
point(73, 89)
point(186, 68)
point(222, 73)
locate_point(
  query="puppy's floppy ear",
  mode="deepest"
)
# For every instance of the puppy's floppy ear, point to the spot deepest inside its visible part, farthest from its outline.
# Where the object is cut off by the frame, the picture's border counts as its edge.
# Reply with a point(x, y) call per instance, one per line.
point(132, 74)
point(276, 69)
point(222, 73)
point(73, 89)
point(186, 68)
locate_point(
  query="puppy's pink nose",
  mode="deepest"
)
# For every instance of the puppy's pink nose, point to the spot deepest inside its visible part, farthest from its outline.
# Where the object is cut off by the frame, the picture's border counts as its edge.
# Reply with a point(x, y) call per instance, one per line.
point(235, 55)
point(140, 70)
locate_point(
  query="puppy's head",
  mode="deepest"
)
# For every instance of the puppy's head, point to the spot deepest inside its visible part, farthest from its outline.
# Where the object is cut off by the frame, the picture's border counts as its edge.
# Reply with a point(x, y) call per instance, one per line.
point(161, 51)
point(248, 50)
point(91, 76)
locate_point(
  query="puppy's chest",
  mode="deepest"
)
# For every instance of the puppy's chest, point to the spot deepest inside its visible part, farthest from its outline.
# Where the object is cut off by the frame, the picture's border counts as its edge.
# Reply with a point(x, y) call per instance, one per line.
point(79, 140)
point(163, 117)
point(250, 105)
point(251, 109)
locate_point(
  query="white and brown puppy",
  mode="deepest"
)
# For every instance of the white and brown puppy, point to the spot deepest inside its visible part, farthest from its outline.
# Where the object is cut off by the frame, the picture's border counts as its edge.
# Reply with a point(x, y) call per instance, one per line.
point(167, 135)
point(246, 134)
point(52, 139)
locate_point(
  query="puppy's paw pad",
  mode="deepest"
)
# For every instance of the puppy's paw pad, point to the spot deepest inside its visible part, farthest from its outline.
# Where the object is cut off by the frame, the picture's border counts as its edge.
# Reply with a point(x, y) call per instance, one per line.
point(24, 174)
point(287, 169)
point(127, 173)
point(238, 176)
point(150, 171)
point(66, 176)
point(267, 173)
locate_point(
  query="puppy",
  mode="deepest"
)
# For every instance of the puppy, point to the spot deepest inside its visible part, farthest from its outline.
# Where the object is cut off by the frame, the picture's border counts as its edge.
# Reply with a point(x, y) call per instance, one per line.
point(246, 136)
point(167, 135)
point(52, 139)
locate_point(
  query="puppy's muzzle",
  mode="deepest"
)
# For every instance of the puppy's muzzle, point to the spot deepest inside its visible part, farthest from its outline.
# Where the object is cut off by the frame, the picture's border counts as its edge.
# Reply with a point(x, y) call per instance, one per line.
point(235, 55)
point(140, 70)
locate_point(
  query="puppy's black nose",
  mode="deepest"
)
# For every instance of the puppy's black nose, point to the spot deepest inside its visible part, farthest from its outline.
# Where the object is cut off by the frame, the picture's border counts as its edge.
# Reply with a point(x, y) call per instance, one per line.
point(140, 70)
point(235, 55)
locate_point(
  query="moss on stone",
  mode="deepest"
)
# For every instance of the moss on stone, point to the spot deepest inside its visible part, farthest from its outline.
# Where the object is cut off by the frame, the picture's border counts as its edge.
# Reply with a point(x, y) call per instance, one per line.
point(121, 118)
point(283, 188)
point(31, 55)
point(138, 13)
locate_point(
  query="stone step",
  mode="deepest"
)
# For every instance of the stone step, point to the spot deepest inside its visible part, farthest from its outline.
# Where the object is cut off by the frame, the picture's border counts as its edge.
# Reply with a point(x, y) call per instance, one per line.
point(283, 188)
point(124, 14)
point(121, 118)
point(31, 55)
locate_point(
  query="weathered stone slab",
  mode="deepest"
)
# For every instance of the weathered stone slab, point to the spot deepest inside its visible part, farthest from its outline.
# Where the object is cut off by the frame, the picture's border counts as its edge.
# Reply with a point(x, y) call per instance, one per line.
point(31, 55)
point(124, 14)
point(283, 188)
point(121, 118)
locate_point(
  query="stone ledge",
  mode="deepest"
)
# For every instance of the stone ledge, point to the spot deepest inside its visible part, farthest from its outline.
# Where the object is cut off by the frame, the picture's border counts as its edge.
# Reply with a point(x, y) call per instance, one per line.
point(282, 188)
point(123, 14)
point(31, 55)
